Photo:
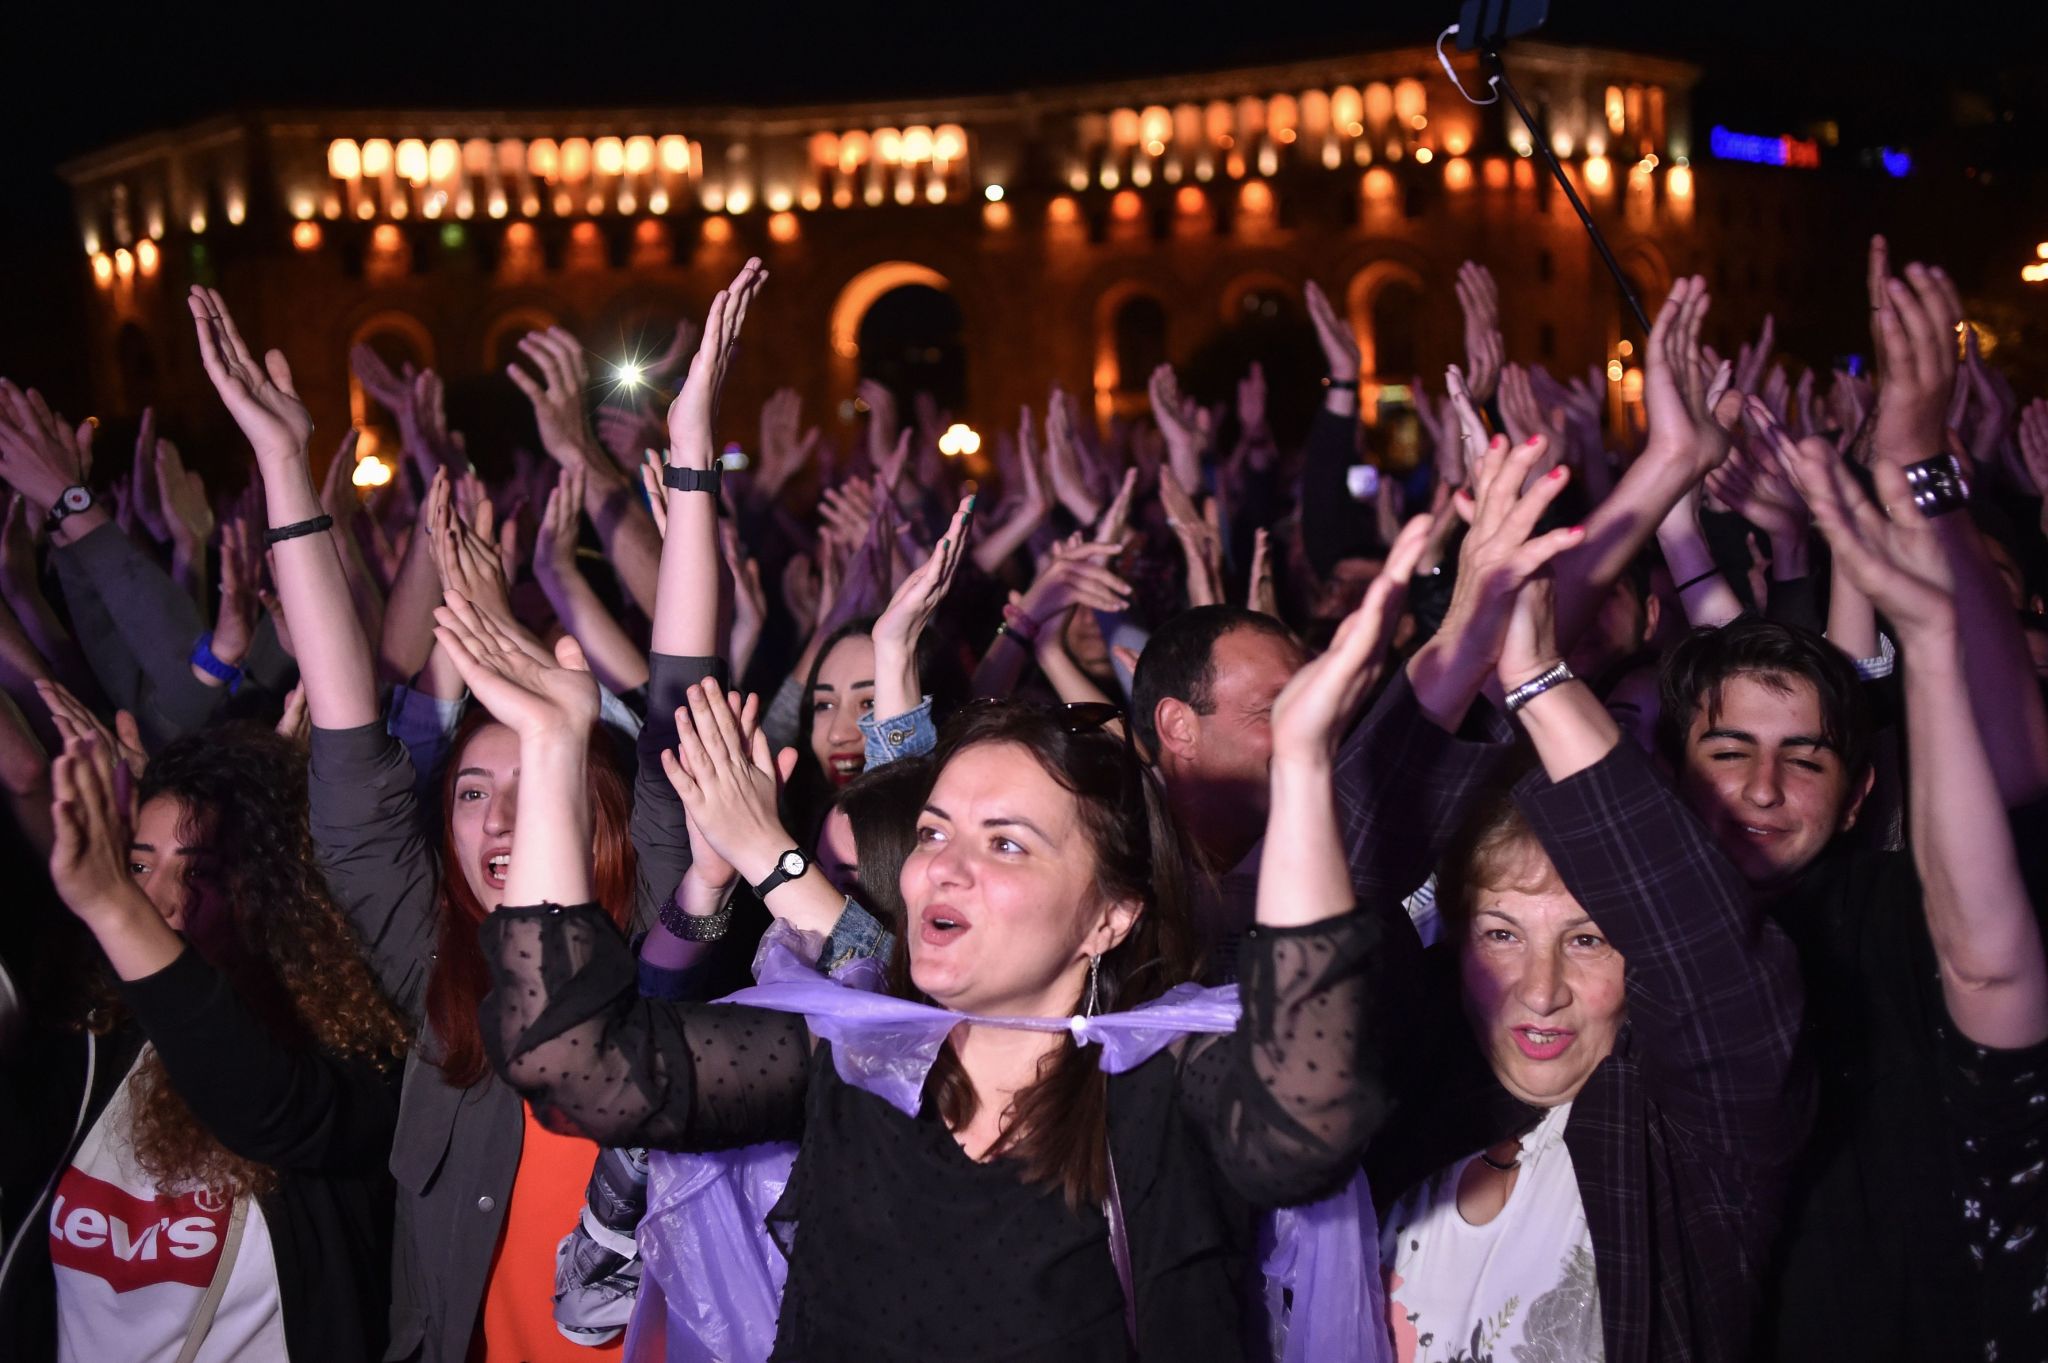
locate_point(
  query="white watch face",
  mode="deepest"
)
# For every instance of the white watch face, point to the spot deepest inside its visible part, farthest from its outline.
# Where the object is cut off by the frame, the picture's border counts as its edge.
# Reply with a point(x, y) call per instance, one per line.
point(77, 499)
point(792, 863)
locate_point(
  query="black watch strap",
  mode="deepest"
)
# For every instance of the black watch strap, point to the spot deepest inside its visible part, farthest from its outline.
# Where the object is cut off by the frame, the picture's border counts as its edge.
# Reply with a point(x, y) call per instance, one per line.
point(692, 480)
point(72, 500)
point(791, 865)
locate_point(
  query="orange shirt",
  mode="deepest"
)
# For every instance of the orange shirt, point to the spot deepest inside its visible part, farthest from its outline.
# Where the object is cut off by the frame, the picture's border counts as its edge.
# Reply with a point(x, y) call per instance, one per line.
point(518, 1320)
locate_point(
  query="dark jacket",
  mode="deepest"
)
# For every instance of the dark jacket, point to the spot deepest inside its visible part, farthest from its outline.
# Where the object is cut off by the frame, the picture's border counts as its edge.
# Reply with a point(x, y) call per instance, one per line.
point(1682, 1138)
point(457, 1149)
point(323, 1122)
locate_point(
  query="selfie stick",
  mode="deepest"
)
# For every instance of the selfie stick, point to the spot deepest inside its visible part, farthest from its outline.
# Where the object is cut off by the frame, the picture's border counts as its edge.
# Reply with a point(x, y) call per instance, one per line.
point(1536, 135)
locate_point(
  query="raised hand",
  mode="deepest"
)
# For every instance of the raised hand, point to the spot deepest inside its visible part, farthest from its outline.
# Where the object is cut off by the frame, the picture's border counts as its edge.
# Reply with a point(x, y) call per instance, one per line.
point(1064, 463)
point(122, 742)
point(1755, 487)
point(1691, 408)
point(295, 725)
point(628, 433)
point(143, 502)
point(234, 626)
point(89, 860)
point(691, 415)
point(1200, 542)
point(261, 398)
point(902, 622)
point(1260, 593)
point(40, 455)
point(392, 391)
point(338, 490)
point(1075, 573)
point(181, 492)
point(783, 450)
point(466, 556)
point(883, 424)
point(1524, 416)
point(1916, 321)
point(1479, 300)
point(1116, 520)
point(1454, 469)
point(534, 694)
point(1340, 345)
point(726, 779)
point(1753, 359)
point(557, 395)
point(1895, 556)
point(1183, 422)
point(561, 523)
point(1316, 707)
point(749, 598)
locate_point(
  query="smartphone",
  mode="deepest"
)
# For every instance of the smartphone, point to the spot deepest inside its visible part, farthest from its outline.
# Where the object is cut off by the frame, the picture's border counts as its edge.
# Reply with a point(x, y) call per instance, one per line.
point(1489, 23)
point(1363, 480)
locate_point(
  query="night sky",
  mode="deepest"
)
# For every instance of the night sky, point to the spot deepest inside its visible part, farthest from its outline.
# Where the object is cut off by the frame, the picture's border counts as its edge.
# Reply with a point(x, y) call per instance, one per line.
point(79, 76)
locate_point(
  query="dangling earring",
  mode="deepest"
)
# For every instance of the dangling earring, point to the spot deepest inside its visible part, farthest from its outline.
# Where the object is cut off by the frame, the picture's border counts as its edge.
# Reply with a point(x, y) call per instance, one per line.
point(1094, 974)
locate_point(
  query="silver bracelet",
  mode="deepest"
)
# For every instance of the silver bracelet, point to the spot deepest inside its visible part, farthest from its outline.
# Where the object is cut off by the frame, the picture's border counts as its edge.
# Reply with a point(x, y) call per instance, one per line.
point(692, 928)
point(1536, 686)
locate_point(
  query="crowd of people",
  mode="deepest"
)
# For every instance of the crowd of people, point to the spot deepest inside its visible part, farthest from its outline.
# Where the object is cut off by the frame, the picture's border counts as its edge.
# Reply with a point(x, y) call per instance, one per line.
point(1579, 899)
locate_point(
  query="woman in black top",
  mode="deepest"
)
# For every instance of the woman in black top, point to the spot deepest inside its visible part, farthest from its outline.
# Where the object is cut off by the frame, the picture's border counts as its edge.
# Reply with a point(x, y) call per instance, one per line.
point(1044, 860)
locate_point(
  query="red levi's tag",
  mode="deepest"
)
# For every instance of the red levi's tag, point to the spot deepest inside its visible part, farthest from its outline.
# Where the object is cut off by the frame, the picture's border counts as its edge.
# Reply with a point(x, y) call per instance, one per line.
point(131, 1242)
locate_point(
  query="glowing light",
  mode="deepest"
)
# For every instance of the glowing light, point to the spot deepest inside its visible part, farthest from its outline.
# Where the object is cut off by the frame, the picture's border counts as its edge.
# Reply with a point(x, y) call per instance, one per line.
point(995, 215)
point(628, 374)
point(495, 205)
point(1897, 164)
point(1423, 156)
point(1155, 124)
point(1190, 201)
point(783, 227)
point(366, 210)
point(1269, 160)
point(575, 158)
point(443, 156)
point(1110, 179)
point(453, 235)
point(853, 150)
point(385, 238)
point(1617, 110)
point(811, 197)
point(1125, 127)
point(543, 159)
point(376, 158)
point(959, 439)
point(102, 268)
point(824, 149)
point(888, 145)
point(2041, 249)
point(1062, 211)
point(1141, 173)
point(1561, 143)
point(1763, 151)
point(306, 235)
point(1379, 184)
point(739, 199)
point(412, 161)
point(1679, 181)
point(1614, 371)
point(1411, 101)
point(906, 188)
point(584, 234)
point(949, 143)
point(2036, 273)
point(1457, 141)
point(994, 194)
point(1347, 108)
point(370, 471)
point(717, 230)
point(1126, 206)
point(639, 154)
point(1599, 173)
point(1256, 198)
point(674, 152)
point(917, 144)
point(344, 159)
point(519, 235)
point(1495, 173)
point(778, 200)
point(1457, 173)
point(610, 155)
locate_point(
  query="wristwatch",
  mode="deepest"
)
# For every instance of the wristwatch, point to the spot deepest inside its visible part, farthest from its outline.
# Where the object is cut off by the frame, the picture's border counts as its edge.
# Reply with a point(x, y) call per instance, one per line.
point(692, 480)
point(788, 866)
point(70, 502)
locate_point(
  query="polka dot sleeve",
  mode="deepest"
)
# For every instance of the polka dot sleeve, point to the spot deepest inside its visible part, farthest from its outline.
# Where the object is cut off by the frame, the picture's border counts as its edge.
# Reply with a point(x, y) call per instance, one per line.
point(1290, 1098)
point(565, 1025)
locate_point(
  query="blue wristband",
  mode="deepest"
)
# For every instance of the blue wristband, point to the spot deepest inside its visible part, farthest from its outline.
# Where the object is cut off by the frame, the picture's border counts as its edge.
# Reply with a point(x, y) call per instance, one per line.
point(203, 659)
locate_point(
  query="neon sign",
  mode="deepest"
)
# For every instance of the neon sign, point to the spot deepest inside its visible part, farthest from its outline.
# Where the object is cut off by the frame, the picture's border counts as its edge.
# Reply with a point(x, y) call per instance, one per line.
point(1763, 151)
point(1897, 164)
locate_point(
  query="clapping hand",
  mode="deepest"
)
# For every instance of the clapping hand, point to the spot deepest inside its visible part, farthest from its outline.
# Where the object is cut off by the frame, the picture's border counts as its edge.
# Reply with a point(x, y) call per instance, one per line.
point(1316, 707)
point(40, 455)
point(691, 415)
point(1340, 346)
point(530, 691)
point(727, 779)
point(557, 395)
point(1479, 300)
point(1691, 407)
point(1916, 324)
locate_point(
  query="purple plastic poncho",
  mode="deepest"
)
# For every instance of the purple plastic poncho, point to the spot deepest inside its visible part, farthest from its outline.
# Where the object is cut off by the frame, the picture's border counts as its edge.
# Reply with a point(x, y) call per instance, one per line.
point(712, 1285)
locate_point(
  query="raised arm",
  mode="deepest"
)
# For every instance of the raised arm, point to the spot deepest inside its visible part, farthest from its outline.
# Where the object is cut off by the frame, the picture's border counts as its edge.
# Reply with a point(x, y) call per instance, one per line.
point(610, 495)
point(1987, 934)
point(334, 655)
point(1291, 1100)
point(898, 628)
point(618, 663)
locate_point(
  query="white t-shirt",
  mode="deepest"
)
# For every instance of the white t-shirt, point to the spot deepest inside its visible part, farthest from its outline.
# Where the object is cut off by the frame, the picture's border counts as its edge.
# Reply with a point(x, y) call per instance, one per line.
point(1521, 1287)
point(132, 1263)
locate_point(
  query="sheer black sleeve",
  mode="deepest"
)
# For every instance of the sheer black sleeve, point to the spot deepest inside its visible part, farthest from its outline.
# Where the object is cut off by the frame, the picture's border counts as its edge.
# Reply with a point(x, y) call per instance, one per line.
point(1289, 1100)
point(565, 1025)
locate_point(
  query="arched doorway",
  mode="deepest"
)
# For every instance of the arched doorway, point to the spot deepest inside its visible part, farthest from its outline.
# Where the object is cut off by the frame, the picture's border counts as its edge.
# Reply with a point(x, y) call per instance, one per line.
point(400, 340)
point(914, 345)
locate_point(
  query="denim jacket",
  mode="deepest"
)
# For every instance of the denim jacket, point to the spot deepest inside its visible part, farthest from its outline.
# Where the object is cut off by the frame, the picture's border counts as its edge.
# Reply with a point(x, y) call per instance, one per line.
point(910, 734)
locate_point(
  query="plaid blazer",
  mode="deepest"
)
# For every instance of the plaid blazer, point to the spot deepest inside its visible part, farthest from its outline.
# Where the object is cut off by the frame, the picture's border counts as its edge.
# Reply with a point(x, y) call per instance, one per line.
point(1681, 1139)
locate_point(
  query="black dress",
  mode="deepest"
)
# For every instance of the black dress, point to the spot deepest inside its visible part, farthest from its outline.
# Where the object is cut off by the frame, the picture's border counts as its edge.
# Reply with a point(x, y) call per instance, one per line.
point(904, 1248)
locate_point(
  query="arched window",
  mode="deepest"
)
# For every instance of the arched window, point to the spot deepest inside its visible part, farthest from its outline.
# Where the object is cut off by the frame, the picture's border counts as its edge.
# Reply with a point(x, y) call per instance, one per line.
point(399, 339)
point(909, 341)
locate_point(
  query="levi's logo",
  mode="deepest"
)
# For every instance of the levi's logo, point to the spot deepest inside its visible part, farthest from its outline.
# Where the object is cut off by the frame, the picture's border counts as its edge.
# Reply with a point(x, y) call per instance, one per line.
point(131, 1242)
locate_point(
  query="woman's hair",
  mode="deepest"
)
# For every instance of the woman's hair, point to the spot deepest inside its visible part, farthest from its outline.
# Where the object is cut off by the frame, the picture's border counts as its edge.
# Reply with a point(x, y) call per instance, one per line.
point(283, 946)
point(1494, 848)
point(1059, 1125)
point(808, 794)
point(881, 807)
point(460, 978)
